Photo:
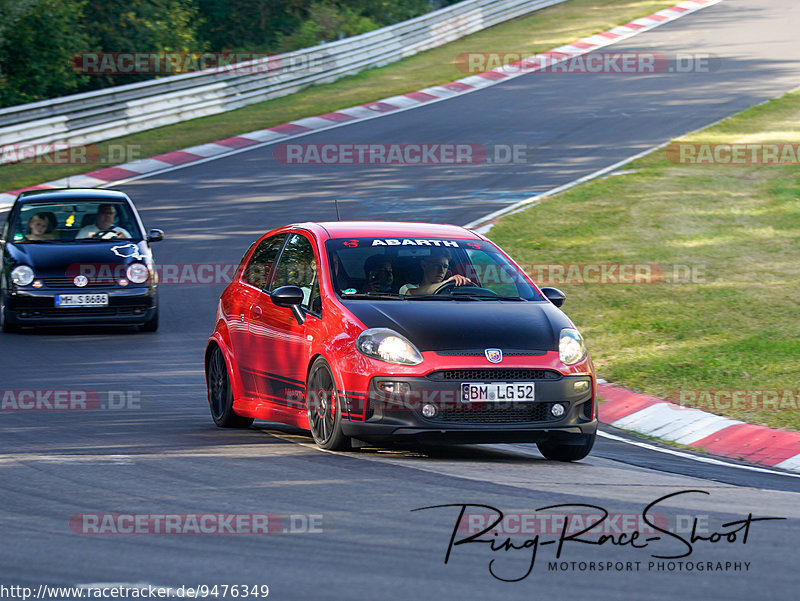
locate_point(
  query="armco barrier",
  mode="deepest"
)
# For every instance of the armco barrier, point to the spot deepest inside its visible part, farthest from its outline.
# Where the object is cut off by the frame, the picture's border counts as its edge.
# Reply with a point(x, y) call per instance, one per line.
point(114, 112)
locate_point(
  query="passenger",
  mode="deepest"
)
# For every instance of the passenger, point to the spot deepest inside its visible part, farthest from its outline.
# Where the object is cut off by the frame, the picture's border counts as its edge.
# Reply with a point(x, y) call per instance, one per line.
point(380, 277)
point(41, 226)
point(434, 270)
point(106, 215)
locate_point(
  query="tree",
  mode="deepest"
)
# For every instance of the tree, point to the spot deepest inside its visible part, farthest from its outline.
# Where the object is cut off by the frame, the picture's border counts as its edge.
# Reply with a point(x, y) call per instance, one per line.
point(38, 38)
point(388, 12)
point(327, 22)
point(249, 25)
point(139, 26)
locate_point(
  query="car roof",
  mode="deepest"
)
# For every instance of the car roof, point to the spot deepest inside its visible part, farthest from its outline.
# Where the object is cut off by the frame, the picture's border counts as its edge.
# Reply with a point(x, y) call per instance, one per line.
point(393, 229)
point(58, 194)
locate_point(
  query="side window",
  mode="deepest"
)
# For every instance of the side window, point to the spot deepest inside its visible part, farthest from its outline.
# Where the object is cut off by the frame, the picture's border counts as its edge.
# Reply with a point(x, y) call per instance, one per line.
point(261, 266)
point(315, 306)
point(245, 254)
point(297, 267)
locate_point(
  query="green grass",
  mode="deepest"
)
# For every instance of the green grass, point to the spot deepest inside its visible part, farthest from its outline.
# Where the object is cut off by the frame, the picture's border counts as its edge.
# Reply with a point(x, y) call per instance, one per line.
point(537, 32)
point(738, 325)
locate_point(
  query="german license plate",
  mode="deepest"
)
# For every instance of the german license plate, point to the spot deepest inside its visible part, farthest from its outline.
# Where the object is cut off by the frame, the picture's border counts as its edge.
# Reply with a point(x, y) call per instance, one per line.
point(81, 300)
point(482, 392)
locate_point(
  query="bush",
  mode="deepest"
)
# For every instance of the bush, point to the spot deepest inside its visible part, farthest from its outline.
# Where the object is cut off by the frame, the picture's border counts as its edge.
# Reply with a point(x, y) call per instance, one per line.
point(37, 40)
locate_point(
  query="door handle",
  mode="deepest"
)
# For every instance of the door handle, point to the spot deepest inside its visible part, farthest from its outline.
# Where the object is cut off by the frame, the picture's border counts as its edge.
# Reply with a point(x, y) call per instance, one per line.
point(257, 311)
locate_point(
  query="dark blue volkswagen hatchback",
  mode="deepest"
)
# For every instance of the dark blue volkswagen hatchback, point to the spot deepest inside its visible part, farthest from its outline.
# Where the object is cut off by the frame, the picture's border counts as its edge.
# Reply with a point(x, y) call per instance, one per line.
point(76, 257)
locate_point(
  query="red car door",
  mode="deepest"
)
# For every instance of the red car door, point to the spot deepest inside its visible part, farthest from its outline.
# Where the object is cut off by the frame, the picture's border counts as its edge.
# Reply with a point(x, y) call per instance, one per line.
point(283, 346)
point(245, 294)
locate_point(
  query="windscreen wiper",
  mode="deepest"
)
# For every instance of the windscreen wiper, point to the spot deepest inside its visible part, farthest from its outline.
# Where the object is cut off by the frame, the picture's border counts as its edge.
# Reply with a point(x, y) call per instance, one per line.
point(440, 297)
point(375, 295)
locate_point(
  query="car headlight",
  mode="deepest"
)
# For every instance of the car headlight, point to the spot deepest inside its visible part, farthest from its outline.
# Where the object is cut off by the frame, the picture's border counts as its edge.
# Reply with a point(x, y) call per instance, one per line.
point(138, 273)
point(387, 345)
point(570, 346)
point(22, 275)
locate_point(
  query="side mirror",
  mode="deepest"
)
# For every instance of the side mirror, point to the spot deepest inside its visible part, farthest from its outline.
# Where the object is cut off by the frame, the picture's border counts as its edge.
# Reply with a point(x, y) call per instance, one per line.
point(554, 295)
point(155, 235)
point(290, 297)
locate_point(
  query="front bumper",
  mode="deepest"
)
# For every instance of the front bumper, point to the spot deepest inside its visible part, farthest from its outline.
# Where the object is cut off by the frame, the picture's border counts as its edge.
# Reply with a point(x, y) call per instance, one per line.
point(126, 306)
point(381, 416)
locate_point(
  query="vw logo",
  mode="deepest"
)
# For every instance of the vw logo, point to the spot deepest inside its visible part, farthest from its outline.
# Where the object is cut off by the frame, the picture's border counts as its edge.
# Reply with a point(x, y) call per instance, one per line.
point(80, 281)
point(494, 355)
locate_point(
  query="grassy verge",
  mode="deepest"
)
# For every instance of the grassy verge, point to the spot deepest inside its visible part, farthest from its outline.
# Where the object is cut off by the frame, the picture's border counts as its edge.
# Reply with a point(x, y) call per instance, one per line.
point(537, 32)
point(734, 325)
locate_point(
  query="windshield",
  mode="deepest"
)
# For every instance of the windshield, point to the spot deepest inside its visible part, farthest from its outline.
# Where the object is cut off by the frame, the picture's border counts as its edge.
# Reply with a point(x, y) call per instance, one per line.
point(68, 221)
point(424, 269)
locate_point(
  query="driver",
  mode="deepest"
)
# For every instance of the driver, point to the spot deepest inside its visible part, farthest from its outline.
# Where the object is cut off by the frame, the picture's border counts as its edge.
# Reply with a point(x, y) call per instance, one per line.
point(434, 270)
point(104, 221)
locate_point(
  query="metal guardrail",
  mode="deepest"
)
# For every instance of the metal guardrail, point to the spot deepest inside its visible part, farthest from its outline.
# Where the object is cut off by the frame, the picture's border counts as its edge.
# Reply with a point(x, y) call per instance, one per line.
point(114, 112)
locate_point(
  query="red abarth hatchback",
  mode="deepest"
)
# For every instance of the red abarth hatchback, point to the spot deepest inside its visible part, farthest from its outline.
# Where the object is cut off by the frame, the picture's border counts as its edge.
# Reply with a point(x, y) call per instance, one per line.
point(380, 331)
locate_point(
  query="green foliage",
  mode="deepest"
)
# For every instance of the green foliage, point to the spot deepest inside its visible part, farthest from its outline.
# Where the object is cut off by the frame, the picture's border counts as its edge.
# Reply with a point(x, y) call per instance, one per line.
point(248, 25)
point(387, 12)
point(40, 40)
point(37, 40)
point(327, 22)
point(139, 26)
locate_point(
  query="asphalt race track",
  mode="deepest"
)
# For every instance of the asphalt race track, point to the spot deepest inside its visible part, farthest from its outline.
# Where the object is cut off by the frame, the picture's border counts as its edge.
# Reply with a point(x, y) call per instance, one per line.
point(354, 534)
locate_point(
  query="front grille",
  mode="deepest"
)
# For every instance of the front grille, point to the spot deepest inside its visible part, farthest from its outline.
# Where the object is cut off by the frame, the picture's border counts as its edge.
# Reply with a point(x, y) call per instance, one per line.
point(103, 282)
point(494, 375)
point(81, 312)
point(495, 413)
point(481, 353)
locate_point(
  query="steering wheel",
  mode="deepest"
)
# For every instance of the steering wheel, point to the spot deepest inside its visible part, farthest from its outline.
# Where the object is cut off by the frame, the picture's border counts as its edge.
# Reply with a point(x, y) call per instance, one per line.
point(452, 284)
point(103, 234)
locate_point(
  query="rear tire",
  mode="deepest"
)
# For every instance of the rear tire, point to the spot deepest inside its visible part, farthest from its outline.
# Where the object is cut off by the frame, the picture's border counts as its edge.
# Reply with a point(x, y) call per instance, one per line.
point(220, 394)
point(567, 452)
point(324, 409)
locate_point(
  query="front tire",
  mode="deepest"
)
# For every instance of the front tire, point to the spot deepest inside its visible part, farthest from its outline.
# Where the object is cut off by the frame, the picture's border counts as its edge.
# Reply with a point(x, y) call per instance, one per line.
point(220, 394)
point(324, 408)
point(567, 452)
point(5, 326)
point(151, 325)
